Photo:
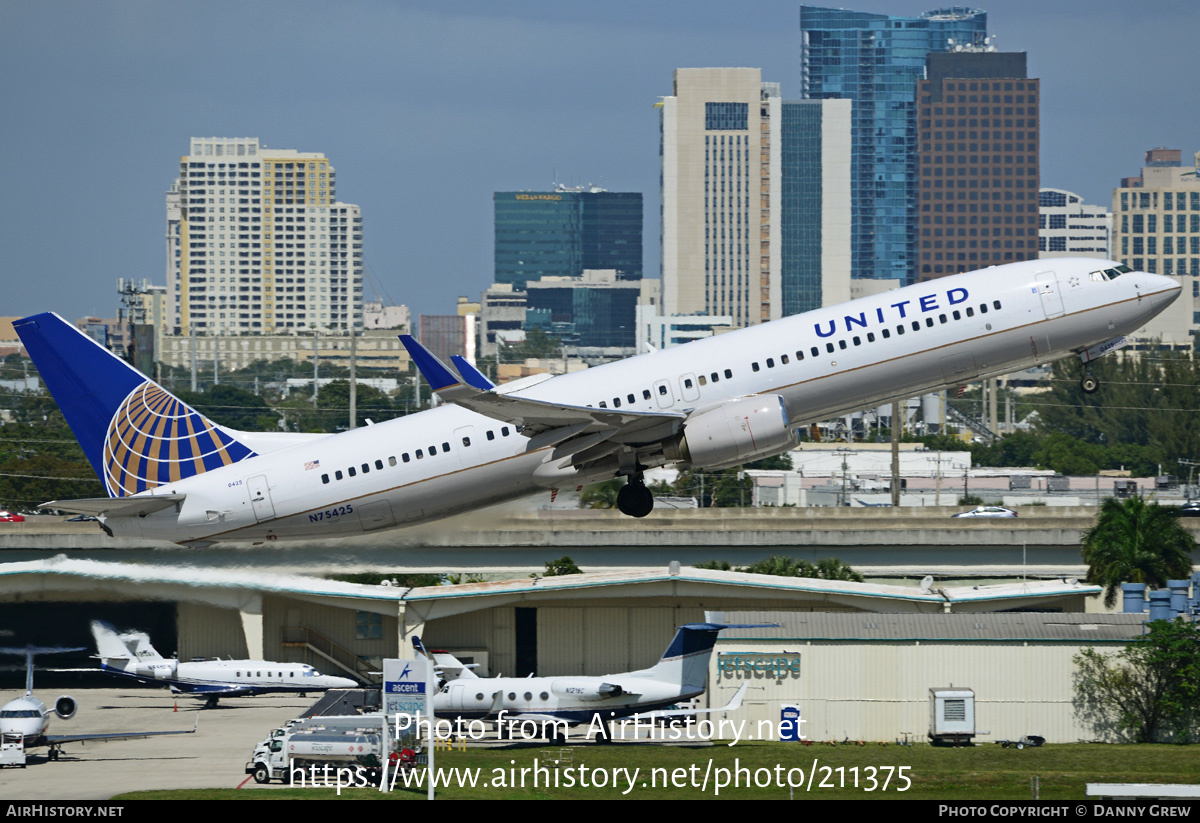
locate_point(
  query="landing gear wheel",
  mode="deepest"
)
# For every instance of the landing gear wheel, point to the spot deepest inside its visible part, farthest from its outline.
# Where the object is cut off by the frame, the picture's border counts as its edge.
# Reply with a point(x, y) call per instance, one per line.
point(634, 499)
point(211, 703)
point(1089, 384)
point(604, 734)
point(262, 774)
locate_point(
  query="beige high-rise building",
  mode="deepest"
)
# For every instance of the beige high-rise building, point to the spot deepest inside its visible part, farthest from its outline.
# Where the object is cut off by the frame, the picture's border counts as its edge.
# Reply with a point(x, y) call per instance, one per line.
point(259, 244)
point(720, 152)
point(1156, 228)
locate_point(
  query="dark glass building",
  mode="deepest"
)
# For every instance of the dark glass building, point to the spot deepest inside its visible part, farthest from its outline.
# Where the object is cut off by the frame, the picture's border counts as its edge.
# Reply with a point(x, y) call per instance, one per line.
point(563, 232)
point(596, 310)
point(800, 224)
point(875, 60)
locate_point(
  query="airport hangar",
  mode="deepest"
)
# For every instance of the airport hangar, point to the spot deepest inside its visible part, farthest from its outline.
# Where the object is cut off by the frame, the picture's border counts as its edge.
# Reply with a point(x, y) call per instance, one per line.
point(865, 654)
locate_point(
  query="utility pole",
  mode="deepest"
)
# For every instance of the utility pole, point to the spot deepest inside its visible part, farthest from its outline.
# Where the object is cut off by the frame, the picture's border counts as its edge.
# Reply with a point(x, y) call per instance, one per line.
point(937, 495)
point(353, 375)
point(896, 424)
point(1191, 464)
point(193, 337)
point(316, 364)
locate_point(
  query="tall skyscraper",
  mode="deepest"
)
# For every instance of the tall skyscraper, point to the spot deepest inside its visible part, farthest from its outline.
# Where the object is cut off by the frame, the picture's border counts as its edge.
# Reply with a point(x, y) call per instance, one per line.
point(815, 208)
point(977, 195)
point(875, 61)
point(258, 243)
point(562, 232)
point(720, 152)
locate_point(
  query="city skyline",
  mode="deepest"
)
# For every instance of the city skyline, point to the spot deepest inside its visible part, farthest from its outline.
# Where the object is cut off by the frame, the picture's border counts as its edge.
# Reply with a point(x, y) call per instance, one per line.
point(428, 110)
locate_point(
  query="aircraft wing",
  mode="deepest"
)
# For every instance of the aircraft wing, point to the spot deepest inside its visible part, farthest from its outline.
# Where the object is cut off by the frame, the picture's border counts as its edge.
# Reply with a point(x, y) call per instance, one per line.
point(536, 416)
point(117, 506)
point(59, 739)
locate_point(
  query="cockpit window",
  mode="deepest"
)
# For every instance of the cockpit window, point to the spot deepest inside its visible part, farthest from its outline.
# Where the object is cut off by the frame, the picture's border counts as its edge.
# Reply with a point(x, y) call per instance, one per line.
point(1113, 274)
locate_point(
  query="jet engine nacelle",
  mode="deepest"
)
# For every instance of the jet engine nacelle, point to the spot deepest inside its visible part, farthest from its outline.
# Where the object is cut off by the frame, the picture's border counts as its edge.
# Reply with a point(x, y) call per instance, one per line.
point(65, 707)
point(734, 433)
point(159, 671)
point(585, 689)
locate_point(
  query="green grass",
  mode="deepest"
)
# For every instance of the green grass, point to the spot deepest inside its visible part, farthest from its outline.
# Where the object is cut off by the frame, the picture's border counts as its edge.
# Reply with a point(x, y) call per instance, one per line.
point(984, 772)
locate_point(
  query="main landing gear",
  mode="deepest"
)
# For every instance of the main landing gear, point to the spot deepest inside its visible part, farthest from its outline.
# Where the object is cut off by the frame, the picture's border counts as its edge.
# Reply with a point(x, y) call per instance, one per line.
point(1089, 384)
point(634, 499)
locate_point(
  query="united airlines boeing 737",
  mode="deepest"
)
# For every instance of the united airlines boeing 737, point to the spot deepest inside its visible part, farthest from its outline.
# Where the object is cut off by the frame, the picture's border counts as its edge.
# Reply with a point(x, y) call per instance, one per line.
point(172, 474)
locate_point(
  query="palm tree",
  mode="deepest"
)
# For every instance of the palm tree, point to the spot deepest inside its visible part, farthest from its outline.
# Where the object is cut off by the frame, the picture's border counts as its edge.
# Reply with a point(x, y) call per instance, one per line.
point(783, 566)
point(830, 568)
point(1136, 542)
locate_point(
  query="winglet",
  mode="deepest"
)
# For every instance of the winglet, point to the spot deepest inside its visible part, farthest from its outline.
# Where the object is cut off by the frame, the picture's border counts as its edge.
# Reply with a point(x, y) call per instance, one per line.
point(472, 375)
point(419, 647)
point(444, 382)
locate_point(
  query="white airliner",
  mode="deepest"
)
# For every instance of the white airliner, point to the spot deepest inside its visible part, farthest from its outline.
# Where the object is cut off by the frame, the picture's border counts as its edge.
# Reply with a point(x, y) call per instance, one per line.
point(130, 655)
point(27, 719)
point(574, 699)
point(172, 474)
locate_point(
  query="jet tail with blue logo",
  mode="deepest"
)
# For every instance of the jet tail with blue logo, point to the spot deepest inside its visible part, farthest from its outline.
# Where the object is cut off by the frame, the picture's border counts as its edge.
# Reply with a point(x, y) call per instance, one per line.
point(136, 434)
point(686, 660)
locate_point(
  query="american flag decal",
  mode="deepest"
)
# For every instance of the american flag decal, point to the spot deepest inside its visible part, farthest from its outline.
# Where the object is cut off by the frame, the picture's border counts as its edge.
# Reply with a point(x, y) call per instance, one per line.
point(312, 464)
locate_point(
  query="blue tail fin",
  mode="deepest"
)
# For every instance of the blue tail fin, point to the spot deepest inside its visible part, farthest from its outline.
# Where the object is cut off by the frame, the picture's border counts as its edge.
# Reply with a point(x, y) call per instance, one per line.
point(686, 660)
point(471, 374)
point(134, 432)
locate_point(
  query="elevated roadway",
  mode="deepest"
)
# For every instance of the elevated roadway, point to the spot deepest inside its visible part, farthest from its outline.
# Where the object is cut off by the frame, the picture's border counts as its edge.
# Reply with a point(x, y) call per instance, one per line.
point(1043, 541)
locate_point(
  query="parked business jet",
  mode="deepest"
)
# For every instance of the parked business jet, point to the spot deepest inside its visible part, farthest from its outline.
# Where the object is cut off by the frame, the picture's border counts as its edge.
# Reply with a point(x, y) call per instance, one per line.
point(130, 655)
point(172, 474)
point(26, 718)
point(647, 694)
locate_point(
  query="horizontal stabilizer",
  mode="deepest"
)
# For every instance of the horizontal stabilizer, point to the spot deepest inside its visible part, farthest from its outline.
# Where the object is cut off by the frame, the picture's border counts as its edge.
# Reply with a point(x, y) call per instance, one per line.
point(117, 506)
point(733, 705)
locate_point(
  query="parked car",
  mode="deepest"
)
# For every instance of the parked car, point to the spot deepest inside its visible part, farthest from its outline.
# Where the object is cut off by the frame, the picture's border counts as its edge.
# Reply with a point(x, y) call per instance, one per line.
point(11, 517)
point(987, 511)
point(1189, 509)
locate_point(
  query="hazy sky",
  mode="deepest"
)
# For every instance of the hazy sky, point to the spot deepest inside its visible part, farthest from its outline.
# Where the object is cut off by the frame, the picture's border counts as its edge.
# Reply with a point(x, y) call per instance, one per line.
point(426, 108)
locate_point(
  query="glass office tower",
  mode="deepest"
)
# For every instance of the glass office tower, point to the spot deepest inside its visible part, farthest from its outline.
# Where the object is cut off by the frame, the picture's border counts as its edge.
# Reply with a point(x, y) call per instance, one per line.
point(562, 232)
point(875, 60)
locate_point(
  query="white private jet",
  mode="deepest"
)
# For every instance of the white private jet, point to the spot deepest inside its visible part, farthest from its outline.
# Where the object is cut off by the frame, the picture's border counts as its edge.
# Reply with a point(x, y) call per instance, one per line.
point(172, 474)
point(130, 655)
point(25, 720)
point(556, 702)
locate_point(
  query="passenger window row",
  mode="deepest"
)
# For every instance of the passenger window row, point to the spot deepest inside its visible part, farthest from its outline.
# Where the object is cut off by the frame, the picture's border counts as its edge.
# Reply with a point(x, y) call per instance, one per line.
point(419, 454)
point(814, 351)
point(630, 399)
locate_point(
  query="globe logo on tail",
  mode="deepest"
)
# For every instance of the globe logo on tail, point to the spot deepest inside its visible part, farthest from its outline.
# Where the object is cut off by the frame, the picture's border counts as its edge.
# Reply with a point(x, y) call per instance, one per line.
point(155, 438)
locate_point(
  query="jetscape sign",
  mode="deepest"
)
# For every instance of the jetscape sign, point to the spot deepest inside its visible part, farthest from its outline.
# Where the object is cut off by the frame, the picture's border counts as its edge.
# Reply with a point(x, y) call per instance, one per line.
point(758, 665)
point(404, 686)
